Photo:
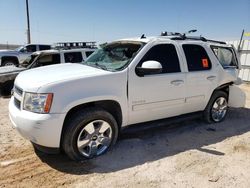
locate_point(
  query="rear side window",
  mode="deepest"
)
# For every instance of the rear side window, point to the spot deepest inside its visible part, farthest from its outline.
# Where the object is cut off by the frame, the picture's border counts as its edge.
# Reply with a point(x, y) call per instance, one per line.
point(73, 57)
point(197, 58)
point(225, 56)
point(88, 53)
point(166, 55)
point(44, 47)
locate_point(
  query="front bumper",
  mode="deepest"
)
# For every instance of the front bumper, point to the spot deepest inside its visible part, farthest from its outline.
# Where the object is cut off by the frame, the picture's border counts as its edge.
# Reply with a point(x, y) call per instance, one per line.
point(41, 129)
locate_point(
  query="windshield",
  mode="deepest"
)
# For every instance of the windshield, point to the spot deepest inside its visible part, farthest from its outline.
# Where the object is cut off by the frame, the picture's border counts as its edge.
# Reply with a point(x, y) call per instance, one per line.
point(19, 48)
point(28, 61)
point(114, 56)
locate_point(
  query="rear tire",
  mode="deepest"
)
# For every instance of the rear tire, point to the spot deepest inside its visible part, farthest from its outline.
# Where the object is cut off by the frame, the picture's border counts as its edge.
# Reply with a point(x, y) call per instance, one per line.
point(217, 107)
point(89, 133)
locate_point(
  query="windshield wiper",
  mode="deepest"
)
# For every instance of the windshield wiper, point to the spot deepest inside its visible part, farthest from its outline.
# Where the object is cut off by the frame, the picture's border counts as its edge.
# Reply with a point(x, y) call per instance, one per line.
point(103, 67)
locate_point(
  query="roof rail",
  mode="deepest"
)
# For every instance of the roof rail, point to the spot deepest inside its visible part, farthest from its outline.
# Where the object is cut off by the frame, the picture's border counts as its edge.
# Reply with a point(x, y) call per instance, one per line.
point(180, 36)
point(197, 38)
point(73, 45)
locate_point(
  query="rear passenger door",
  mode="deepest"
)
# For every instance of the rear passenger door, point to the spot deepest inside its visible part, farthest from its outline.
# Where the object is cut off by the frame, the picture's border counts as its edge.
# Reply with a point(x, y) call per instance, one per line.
point(201, 78)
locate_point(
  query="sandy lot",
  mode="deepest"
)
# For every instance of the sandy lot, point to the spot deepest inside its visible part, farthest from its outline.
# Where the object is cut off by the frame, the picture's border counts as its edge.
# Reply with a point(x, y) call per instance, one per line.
point(192, 154)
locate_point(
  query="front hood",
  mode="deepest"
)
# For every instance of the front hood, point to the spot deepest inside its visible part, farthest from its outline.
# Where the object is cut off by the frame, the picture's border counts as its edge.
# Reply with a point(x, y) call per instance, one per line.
point(32, 80)
point(10, 69)
point(3, 52)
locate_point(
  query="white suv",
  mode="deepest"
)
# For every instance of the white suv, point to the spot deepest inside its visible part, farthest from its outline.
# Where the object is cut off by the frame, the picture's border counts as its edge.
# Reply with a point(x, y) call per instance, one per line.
point(80, 108)
point(39, 59)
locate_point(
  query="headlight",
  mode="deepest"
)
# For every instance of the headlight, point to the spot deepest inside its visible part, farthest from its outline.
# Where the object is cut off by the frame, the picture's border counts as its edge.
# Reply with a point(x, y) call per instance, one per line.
point(38, 103)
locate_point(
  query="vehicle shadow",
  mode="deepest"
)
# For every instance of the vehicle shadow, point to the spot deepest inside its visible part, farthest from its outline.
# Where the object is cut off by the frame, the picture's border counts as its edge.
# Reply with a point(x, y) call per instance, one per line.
point(142, 146)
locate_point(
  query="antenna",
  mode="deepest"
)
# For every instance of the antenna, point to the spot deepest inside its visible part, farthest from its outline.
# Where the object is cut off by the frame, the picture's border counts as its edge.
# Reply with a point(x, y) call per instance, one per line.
point(190, 31)
point(143, 36)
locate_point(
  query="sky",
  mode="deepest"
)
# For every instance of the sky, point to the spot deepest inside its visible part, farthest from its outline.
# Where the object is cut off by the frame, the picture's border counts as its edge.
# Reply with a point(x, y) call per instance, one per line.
point(106, 20)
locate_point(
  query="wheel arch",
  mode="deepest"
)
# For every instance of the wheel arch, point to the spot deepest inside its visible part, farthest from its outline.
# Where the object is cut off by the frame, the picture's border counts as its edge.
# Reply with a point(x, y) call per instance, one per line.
point(111, 106)
point(13, 58)
point(223, 87)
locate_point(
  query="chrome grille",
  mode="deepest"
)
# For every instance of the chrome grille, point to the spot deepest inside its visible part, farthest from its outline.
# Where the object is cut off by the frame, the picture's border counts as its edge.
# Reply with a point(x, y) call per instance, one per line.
point(18, 93)
point(18, 90)
point(17, 103)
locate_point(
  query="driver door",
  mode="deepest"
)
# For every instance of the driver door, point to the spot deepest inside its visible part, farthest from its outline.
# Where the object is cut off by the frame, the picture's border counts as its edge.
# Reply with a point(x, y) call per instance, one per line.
point(26, 52)
point(161, 95)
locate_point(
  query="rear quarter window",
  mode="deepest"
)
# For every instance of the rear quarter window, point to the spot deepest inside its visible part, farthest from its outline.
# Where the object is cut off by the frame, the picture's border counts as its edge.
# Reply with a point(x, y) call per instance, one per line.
point(225, 56)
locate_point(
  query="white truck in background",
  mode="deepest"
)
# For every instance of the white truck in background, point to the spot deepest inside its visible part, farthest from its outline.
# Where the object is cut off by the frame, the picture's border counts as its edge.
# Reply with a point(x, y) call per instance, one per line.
point(17, 56)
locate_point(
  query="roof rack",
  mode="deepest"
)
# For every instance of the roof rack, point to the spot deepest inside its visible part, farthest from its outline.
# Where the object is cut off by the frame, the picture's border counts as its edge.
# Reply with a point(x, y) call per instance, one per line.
point(197, 38)
point(73, 45)
point(179, 36)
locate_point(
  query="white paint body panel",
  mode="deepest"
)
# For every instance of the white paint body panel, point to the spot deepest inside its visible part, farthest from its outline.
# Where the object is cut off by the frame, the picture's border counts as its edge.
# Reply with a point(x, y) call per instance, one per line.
point(237, 97)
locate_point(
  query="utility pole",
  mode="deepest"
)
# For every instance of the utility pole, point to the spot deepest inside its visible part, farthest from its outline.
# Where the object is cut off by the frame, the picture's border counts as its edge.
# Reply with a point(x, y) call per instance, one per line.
point(242, 34)
point(28, 22)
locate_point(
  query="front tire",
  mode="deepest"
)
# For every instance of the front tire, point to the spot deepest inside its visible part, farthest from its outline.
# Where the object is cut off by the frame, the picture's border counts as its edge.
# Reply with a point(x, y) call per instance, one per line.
point(9, 63)
point(89, 133)
point(217, 107)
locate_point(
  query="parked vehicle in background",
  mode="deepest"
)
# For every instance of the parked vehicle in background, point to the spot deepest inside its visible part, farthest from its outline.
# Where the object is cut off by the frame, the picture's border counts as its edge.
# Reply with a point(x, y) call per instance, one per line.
point(81, 108)
point(39, 59)
point(16, 57)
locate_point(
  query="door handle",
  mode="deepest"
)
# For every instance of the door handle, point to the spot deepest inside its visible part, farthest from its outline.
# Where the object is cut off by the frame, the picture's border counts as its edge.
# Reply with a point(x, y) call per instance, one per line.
point(211, 78)
point(177, 82)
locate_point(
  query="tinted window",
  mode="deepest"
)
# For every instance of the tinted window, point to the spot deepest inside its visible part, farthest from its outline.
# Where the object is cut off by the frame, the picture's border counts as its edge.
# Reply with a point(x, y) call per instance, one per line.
point(49, 59)
point(88, 53)
point(44, 47)
point(73, 57)
point(31, 48)
point(29, 60)
point(197, 58)
point(225, 56)
point(166, 55)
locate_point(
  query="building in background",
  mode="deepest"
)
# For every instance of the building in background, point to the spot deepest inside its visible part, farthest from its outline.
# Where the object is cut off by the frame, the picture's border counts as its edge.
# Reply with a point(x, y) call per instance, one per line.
point(9, 46)
point(244, 53)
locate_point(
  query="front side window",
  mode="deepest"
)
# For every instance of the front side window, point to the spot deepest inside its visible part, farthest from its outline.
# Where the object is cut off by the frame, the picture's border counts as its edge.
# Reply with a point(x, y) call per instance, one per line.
point(225, 56)
point(73, 57)
point(44, 60)
point(114, 56)
point(31, 48)
point(166, 55)
point(197, 58)
point(88, 53)
point(29, 60)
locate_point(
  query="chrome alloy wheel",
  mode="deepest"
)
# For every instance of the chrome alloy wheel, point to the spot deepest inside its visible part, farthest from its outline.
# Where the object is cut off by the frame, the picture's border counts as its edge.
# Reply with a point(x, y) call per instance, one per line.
point(219, 109)
point(94, 138)
point(9, 63)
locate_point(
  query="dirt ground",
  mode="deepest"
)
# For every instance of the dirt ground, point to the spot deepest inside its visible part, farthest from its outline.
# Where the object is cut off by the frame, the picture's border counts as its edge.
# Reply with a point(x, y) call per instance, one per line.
point(191, 154)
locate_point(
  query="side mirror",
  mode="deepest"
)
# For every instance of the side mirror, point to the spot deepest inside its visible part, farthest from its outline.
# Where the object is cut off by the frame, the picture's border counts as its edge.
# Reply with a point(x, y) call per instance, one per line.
point(149, 67)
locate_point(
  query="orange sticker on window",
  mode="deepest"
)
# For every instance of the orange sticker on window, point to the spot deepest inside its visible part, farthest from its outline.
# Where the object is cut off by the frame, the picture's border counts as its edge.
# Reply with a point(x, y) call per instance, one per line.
point(205, 63)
